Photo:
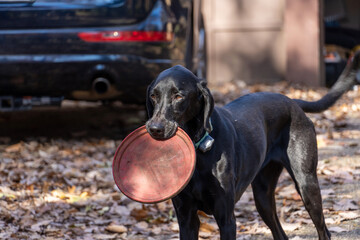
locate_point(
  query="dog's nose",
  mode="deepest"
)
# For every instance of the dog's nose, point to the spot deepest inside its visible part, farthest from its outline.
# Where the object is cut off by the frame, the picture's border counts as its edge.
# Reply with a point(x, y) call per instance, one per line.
point(157, 130)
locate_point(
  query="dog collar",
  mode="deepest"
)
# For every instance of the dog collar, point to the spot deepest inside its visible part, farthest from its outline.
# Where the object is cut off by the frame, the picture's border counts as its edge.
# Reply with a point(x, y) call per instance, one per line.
point(205, 143)
point(197, 144)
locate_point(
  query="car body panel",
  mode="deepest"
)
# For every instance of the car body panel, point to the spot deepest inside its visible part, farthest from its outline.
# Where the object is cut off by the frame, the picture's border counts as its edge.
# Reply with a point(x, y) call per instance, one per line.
point(73, 13)
point(49, 58)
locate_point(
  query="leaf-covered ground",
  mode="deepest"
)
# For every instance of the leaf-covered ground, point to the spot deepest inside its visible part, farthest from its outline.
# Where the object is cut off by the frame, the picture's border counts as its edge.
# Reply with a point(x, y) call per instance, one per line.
point(56, 180)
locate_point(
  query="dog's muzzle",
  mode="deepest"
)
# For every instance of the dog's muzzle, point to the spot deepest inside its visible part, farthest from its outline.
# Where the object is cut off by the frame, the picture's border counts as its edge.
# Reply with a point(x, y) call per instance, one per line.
point(161, 130)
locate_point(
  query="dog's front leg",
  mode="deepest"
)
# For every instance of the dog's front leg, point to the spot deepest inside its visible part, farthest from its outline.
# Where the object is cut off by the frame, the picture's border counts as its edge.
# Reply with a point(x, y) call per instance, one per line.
point(225, 218)
point(186, 212)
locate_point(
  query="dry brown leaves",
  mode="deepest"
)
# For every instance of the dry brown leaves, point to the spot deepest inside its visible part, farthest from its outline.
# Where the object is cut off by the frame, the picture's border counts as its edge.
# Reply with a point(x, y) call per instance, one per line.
point(56, 189)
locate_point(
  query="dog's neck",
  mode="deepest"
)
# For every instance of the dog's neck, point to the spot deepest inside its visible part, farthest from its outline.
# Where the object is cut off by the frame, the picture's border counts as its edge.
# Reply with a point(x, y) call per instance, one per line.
point(195, 129)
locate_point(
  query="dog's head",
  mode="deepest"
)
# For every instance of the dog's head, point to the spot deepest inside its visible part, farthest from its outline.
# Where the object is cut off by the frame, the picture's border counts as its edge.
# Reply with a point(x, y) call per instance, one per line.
point(177, 98)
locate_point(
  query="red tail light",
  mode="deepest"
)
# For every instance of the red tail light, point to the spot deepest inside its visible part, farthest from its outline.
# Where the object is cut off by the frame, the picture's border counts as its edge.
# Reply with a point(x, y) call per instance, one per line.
point(126, 36)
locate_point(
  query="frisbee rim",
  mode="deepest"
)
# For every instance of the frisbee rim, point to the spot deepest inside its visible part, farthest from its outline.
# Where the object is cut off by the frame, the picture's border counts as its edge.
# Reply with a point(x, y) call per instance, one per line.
point(136, 134)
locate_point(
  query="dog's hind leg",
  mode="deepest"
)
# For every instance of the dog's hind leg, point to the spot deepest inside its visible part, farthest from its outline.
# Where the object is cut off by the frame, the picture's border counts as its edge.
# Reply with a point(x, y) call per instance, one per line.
point(263, 188)
point(302, 153)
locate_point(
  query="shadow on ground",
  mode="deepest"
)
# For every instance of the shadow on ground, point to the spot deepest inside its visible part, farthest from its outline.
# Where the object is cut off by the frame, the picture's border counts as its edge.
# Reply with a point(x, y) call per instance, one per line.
point(72, 121)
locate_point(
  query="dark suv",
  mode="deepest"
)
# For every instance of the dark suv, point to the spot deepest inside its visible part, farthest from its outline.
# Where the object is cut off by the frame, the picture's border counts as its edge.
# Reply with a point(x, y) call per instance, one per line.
point(93, 49)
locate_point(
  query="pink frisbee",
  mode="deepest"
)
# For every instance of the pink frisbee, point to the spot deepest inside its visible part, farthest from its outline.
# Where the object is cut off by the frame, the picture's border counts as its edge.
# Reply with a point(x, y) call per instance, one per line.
point(149, 170)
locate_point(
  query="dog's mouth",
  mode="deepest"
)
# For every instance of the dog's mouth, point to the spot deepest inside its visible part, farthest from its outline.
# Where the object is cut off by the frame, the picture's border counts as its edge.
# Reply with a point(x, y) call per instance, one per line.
point(161, 131)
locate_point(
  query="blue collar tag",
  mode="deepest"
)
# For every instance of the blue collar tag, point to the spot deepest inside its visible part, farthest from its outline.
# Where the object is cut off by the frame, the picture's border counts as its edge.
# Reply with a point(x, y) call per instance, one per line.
point(197, 144)
point(206, 142)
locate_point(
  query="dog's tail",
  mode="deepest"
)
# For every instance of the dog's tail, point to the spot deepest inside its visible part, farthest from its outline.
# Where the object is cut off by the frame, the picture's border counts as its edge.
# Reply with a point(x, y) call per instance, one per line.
point(348, 78)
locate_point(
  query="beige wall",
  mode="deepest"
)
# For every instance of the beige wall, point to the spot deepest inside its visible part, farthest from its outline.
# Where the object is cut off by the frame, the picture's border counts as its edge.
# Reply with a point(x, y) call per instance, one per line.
point(304, 41)
point(247, 40)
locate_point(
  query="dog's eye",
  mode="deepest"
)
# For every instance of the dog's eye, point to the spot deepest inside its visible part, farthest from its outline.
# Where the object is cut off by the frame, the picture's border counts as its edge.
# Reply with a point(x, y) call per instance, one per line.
point(178, 97)
point(153, 97)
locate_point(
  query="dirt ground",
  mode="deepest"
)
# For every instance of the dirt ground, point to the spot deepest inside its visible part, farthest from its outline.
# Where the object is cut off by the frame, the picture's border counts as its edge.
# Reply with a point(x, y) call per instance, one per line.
point(56, 180)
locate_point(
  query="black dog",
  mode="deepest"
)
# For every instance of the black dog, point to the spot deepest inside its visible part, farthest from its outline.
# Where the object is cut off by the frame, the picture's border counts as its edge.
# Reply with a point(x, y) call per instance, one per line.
point(248, 141)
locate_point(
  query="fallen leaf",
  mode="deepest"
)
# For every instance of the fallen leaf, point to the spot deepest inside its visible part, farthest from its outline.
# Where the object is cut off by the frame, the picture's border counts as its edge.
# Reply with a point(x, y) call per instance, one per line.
point(103, 210)
point(202, 214)
point(142, 225)
point(243, 237)
point(139, 214)
point(206, 227)
point(331, 221)
point(156, 230)
point(345, 204)
point(120, 210)
point(71, 189)
point(14, 148)
point(337, 229)
point(348, 215)
point(290, 226)
point(105, 236)
point(116, 228)
point(43, 154)
point(297, 238)
point(204, 235)
point(174, 227)
point(327, 192)
point(37, 227)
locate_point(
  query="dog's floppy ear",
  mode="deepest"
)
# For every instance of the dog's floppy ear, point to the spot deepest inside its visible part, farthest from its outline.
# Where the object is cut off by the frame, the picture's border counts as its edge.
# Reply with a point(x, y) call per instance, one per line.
point(149, 104)
point(208, 104)
point(358, 76)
